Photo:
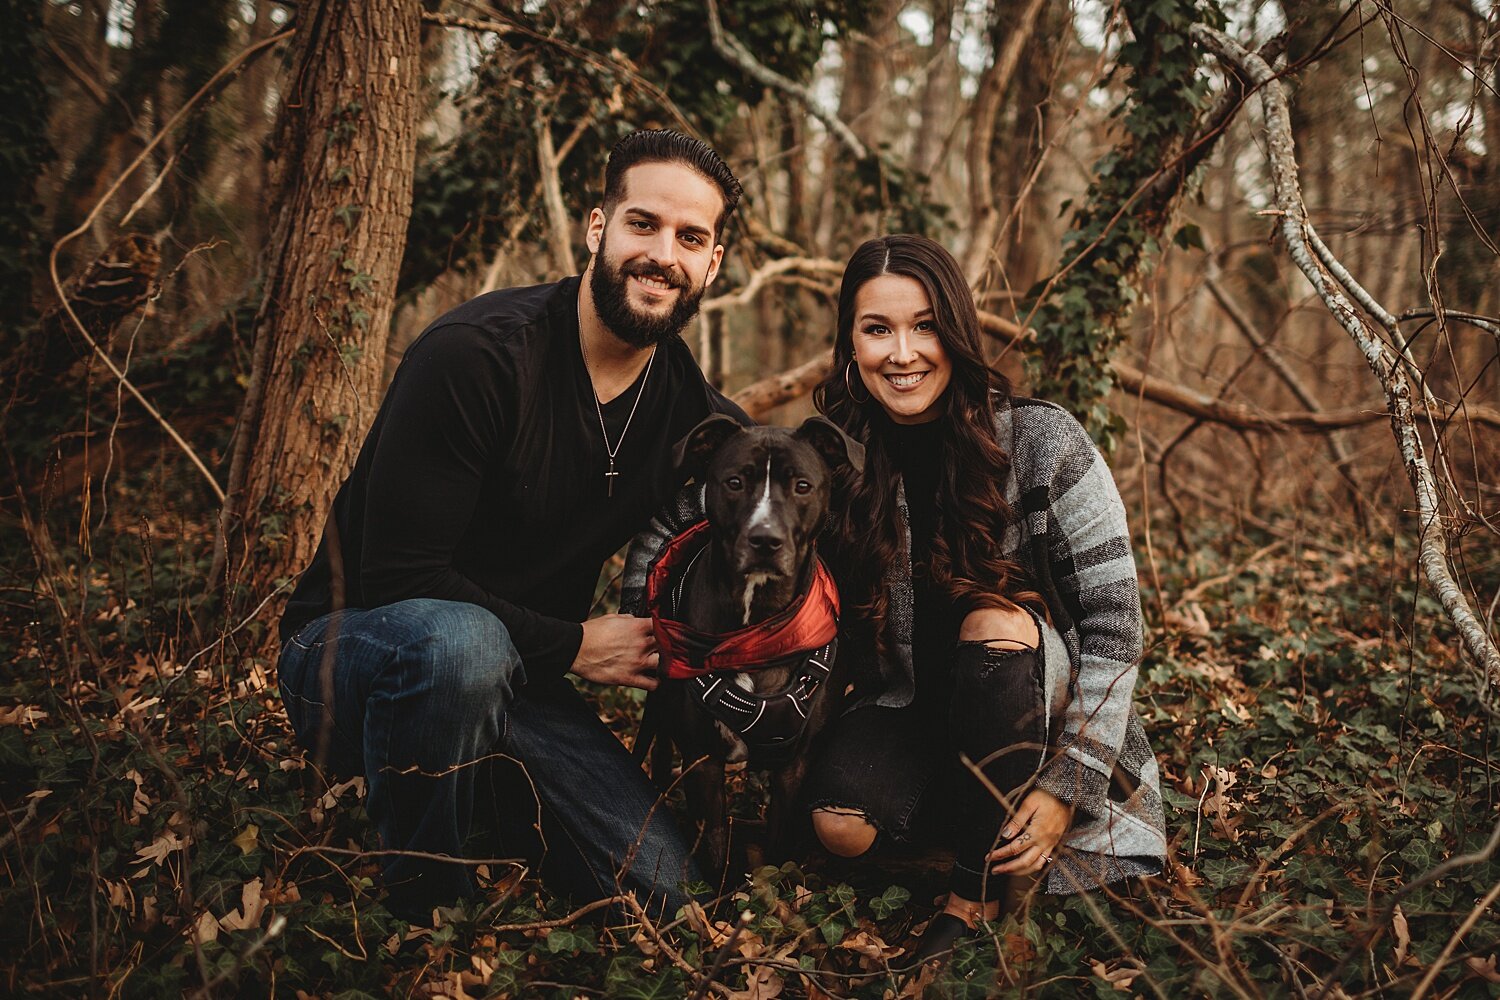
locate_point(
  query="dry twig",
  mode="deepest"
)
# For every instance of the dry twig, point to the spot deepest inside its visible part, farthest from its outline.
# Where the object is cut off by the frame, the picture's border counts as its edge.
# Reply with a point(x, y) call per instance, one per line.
point(1391, 369)
point(188, 107)
point(734, 50)
point(760, 397)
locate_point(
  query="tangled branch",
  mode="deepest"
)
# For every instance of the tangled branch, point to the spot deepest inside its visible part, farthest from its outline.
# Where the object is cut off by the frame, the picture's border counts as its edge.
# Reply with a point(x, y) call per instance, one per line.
point(1335, 286)
point(734, 50)
point(759, 398)
point(225, 73)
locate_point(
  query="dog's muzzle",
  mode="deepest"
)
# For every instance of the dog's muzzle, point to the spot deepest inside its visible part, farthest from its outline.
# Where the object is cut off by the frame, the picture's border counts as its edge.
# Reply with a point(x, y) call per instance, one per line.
point(812, 620)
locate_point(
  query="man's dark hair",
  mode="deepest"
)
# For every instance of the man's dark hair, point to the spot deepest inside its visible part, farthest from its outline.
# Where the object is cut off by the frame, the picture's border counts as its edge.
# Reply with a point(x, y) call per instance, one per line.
point(661, 145)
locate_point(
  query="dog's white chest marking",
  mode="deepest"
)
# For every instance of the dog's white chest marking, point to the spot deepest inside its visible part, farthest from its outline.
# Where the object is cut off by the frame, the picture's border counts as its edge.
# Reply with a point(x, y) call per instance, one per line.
point(738, 749)
point(752, 581)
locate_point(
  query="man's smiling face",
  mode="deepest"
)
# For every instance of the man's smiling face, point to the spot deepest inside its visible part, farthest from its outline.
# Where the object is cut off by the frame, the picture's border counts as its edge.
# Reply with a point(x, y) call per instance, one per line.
point(655, 251)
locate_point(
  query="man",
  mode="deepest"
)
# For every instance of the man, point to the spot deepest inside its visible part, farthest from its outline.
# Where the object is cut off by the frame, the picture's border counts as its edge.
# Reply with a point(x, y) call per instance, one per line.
point(525, 437)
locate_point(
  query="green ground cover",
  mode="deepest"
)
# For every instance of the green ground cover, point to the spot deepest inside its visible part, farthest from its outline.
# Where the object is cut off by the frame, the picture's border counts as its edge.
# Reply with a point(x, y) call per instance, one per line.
point(1322, 751)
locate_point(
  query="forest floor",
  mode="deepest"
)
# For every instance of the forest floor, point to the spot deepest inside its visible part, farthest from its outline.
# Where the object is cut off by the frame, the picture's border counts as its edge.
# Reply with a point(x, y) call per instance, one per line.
point(1322, 751)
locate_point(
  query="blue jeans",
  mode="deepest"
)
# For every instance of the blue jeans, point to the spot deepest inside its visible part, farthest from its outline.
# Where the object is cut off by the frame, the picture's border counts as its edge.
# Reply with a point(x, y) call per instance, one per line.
point(419, 697)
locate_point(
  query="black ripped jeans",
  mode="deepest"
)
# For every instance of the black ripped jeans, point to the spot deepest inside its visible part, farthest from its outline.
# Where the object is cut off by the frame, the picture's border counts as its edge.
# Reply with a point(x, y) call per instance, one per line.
point(900, 767)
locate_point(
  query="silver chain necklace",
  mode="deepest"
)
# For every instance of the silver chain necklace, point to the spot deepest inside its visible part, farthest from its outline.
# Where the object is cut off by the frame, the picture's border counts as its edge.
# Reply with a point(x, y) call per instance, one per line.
point(609, 477)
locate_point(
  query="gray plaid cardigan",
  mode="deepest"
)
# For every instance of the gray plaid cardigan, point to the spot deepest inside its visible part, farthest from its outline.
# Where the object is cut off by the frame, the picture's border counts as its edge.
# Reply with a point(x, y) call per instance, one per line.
point(1069, 528)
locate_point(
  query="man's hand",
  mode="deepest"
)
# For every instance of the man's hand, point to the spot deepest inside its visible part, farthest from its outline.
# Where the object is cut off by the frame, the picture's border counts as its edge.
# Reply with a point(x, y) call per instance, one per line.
point(617, 649)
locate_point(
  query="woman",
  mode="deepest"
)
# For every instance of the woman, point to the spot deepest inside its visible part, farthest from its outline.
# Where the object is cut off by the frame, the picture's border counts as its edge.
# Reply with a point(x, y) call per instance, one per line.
point(986, 555)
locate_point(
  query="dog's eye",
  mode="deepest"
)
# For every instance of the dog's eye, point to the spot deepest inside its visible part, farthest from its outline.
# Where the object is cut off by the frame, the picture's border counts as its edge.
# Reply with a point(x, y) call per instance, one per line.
point(803, 487)
point(734, 483)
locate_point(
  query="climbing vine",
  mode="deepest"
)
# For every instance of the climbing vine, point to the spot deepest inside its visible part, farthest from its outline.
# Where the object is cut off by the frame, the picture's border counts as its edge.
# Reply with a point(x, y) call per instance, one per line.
point(1117, 233)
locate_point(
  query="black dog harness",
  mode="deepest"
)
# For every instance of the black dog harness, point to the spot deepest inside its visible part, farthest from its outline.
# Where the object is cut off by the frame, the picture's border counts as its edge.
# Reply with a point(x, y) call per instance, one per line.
point(769, 724)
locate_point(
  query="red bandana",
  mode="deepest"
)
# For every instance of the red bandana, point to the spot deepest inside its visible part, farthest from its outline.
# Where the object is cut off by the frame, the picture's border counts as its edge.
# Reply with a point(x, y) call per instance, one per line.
point(811, 621)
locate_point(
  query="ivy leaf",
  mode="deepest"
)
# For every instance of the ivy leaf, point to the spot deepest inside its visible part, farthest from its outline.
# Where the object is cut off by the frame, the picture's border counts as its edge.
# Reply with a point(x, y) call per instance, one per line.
point(629, 983)
point(889, 902)
point(246, 840)
point(561, 939)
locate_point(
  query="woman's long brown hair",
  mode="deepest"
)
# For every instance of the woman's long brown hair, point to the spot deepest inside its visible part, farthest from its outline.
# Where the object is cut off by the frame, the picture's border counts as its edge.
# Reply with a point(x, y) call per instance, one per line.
point(972, 512)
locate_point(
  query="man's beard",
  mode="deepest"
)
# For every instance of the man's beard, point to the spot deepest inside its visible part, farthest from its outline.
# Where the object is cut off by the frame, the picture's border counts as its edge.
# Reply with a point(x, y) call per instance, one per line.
point(609, 286)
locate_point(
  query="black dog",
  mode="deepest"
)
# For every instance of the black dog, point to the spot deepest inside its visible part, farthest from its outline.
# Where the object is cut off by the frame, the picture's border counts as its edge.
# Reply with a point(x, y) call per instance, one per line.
point(746, 618)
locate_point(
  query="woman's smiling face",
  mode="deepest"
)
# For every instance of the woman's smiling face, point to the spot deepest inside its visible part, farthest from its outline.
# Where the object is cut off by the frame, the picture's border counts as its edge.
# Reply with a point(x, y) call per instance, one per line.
point(897, 350)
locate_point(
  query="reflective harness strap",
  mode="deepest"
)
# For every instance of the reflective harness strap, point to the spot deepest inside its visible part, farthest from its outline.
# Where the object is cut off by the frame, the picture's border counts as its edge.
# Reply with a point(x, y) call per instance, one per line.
point(770, 724)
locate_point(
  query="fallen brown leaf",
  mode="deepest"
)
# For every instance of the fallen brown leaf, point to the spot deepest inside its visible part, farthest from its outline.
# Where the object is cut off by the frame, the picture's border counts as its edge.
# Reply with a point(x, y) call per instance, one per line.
point(250, 911)
point(1403, 935)
point(246, 841)
point(1484, 969)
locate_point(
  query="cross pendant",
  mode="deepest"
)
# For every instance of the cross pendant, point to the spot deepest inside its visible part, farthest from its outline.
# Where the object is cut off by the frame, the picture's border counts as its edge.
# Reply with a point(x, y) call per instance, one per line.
point(609, 478)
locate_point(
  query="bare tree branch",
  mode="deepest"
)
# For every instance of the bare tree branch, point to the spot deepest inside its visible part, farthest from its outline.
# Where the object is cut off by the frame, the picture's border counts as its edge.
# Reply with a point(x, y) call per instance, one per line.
point(768, 272)
point(90, 85)
point(468, 23)
point(1277, 364)
point(225, 73)
point(1488, 324)
point(1387, 365)
point(559, 226)
point(762, 397)
point(768, 393)
point(622, 66)
point(1263, 348)
point(734, 50)
point(1205, 407)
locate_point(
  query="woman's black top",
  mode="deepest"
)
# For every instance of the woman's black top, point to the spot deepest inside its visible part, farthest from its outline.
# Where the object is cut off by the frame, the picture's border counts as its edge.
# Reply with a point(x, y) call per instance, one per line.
point(919, 452)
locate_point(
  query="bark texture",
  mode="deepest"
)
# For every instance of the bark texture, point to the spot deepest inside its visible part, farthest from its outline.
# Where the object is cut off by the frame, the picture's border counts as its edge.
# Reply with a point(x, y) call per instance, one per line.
point(345, 145)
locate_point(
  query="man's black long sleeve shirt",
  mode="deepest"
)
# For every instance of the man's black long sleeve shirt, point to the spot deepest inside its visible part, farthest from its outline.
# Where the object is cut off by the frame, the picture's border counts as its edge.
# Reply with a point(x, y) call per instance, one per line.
point(482, 478)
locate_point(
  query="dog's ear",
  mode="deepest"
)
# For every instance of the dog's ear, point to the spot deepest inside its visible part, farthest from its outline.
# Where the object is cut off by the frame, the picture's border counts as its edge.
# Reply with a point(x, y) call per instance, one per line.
point(693, 451)
point(830, 441)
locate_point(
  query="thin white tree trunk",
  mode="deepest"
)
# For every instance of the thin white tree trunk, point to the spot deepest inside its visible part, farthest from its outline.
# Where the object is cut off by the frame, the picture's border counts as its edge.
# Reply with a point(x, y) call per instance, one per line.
point(1395, 369)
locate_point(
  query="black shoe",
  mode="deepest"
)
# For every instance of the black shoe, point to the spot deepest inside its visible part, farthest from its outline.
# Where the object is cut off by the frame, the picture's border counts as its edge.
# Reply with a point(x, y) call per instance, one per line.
point(943, 934)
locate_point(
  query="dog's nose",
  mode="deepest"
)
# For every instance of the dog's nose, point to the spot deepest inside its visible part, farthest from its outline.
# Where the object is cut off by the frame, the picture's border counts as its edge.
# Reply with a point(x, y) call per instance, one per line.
point(765, 541)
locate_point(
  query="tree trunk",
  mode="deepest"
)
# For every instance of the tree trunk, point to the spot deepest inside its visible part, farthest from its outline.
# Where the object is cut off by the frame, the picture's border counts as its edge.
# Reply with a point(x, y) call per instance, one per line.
point(345, 144)
point(862, 104)
point(984, 215)
point(939, 92)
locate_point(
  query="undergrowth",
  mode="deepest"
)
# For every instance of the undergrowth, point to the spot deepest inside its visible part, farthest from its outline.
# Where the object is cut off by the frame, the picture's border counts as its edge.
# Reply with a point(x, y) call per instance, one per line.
point(1321, 749)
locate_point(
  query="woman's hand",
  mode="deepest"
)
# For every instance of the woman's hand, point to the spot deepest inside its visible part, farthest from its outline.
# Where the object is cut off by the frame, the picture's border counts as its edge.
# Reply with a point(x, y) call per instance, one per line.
point(1034, 833)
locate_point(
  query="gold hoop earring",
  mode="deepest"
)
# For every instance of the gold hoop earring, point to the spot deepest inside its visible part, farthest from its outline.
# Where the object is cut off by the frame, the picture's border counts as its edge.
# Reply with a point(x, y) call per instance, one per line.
point(850, 387)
